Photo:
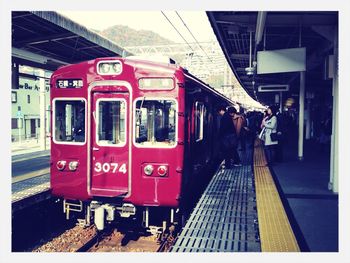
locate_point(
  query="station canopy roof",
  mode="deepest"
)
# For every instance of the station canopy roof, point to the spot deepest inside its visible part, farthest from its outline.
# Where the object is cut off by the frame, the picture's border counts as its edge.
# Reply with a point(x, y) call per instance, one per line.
point(242, 34)
point(49, 40)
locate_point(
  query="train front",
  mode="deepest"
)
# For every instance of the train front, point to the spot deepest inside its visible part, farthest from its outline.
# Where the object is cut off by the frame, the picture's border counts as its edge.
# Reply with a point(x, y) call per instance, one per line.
point(117, 146)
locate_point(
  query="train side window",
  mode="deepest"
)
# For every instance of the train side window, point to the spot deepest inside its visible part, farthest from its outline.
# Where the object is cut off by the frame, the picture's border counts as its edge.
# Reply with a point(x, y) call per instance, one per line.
point(69, 122)
point(111, 125)
point(155, 122)
point(199, 121)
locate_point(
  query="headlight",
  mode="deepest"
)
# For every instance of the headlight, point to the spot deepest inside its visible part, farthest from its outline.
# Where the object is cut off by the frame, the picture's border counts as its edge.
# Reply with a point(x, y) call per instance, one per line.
point(111, 67)
point(105, 68)
point(73, 165)
point(148, 169)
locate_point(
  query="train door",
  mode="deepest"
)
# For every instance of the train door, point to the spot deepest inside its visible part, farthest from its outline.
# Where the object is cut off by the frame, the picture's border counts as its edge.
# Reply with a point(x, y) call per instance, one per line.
point(110, 144)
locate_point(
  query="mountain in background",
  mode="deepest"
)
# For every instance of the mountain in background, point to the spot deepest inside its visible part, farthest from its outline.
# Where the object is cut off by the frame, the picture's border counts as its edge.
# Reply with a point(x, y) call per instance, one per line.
point(125, 36)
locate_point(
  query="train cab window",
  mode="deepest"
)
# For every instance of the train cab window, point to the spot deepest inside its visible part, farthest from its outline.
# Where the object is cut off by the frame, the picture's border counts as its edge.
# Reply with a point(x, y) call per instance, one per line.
point(69, 121)
point(199, 114)
point(111, 122)
point(155, 123)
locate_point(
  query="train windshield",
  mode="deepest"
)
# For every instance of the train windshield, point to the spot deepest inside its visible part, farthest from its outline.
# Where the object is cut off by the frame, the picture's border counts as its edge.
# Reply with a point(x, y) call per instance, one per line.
point(155, 122)
point(69, 122)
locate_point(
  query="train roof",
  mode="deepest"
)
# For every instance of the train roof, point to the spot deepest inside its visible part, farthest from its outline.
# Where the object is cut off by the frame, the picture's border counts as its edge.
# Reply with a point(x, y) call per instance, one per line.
point(208, 87)
point(160, 62)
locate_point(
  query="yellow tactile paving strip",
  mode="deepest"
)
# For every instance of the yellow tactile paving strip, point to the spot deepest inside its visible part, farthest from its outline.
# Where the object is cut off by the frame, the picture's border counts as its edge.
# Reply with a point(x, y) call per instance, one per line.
point(276, 234)
point(259, 155)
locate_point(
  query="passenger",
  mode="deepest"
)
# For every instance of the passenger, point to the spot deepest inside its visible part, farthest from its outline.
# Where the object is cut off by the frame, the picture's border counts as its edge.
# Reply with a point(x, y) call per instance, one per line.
point(281, 131)
point(252, 127)
point(79, 128)
point(221, 110)
point(240, 124)
point(218, 147)
point(228, 138)
point(269, 125)
point(326, 131)
point(263, 119)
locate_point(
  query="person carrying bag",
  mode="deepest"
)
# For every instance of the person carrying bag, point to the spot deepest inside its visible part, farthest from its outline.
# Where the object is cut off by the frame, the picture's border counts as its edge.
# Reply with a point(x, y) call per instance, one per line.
point(269, 134)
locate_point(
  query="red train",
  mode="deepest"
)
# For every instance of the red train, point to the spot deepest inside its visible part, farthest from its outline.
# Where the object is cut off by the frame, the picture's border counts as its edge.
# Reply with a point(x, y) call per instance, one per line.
point(130, 138)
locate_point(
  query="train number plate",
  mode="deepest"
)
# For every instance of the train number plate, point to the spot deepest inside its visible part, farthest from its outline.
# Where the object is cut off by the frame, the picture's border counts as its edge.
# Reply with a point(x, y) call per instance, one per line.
point(110, 167)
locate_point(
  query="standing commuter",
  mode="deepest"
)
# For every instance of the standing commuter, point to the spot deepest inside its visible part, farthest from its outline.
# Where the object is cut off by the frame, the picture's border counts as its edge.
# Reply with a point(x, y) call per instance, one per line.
point(281, 131)
point(221, 110)
point(229, 138)
point(326, 131)
point(269, 126)
point(240, 125)
point(250, 128)
point(266, 115)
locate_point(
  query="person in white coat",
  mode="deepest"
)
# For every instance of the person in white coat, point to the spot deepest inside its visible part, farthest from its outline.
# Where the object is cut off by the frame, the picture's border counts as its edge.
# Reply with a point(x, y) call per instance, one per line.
point(269, 125)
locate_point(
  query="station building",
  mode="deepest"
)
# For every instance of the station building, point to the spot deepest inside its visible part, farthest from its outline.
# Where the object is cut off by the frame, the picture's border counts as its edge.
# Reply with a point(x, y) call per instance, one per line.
point(25, 114)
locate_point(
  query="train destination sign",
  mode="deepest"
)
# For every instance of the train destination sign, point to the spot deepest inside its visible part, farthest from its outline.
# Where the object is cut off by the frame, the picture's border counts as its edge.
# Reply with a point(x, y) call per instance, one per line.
point(69, 83)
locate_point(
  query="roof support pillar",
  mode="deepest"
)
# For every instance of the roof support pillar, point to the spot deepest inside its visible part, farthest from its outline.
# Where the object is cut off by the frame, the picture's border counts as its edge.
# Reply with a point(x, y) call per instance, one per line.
point(333, 180)
point(260, 26)
point(308, 119)
point(301, 116)
point(301, 109)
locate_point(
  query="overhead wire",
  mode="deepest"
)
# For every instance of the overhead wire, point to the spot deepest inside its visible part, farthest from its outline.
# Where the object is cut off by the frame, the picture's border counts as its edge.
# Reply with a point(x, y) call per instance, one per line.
point(197, 42)
point(177, 30)
point(193, 36)
point(181, 35)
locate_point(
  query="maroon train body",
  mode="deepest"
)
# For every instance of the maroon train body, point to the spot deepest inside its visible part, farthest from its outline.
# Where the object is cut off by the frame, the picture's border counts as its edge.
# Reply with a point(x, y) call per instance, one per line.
point(130, 138)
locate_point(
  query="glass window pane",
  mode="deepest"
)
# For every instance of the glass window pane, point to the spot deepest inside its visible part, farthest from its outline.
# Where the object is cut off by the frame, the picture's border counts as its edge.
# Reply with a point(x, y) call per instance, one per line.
point(14, 123)
point(155, 122)
point(199, 120)
point(70, 121)
point(111, 122)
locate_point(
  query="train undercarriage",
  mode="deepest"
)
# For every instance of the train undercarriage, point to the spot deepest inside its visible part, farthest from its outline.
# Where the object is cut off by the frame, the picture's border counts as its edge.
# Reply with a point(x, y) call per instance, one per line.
point(155, 220)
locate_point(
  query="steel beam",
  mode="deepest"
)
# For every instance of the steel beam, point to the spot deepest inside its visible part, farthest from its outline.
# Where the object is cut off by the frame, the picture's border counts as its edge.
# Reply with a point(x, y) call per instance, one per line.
point(42, 106)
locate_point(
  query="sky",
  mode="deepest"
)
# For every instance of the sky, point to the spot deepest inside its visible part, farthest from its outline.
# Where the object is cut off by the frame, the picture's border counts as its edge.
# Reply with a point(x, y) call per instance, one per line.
point(196, 21)
point(191, 25)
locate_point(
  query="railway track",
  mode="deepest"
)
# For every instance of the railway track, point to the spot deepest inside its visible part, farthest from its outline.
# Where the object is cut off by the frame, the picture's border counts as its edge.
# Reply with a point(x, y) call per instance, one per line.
point(79, 239)
point(69, 241)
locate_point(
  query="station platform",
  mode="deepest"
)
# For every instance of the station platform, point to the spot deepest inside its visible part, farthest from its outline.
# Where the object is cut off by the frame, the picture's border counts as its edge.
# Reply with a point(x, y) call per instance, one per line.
point(29, 192)
point(225, 218)
point(240, 211)
point(32, 187)
point(19, 149)
point(303, 185)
